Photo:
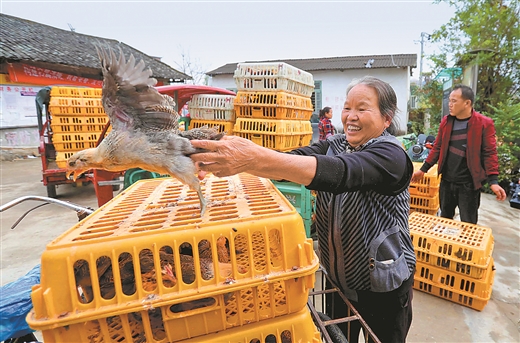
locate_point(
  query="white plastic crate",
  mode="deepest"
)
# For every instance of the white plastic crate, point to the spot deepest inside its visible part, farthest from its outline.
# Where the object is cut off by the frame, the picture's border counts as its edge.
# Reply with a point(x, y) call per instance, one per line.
point(212, 107)
point(273, 76)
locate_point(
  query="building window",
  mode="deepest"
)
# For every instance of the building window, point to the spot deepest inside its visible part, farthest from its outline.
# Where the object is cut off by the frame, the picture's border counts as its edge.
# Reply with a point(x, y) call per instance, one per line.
point(414, 102)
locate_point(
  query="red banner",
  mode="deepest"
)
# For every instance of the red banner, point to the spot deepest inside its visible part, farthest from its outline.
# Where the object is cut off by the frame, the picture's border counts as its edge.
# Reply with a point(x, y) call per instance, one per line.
point(23, 73)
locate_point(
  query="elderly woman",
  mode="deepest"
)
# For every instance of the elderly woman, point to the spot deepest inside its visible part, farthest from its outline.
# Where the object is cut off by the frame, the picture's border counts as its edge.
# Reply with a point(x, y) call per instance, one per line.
point(362, 205)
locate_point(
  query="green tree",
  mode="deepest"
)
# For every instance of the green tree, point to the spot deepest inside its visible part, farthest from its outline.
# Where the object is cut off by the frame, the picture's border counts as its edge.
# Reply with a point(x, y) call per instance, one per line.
point(487, 32)
point(430, 101)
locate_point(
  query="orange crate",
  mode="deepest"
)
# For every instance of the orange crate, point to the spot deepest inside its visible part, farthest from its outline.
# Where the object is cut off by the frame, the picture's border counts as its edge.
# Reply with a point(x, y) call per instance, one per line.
point(73, 128)
point(428, 185)
point(62, 157)
point(74, 145)
point(281, 135)
point(297, 327)
point(424, 204)
point(463, 290)
point(269, 105)
point(221, 126)
point(76, 92)
point(146, 325)
point(149, 248)
point(441, 261)
point(460, 283)
point(76, 106)
point(75, 137)
point(59, 121)
point(468, 244)
point(272, 112)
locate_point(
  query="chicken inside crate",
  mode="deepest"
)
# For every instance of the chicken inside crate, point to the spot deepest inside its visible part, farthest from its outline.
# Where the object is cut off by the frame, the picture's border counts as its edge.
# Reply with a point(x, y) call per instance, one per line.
point(149, 254)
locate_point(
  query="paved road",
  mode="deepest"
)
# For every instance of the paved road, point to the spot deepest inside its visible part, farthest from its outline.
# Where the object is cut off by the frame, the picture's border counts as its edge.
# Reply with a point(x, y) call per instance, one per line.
point(435, 319)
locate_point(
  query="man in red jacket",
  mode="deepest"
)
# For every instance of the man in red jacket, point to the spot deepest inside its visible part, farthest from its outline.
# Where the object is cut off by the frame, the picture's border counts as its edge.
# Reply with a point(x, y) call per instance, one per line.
point(465, 150)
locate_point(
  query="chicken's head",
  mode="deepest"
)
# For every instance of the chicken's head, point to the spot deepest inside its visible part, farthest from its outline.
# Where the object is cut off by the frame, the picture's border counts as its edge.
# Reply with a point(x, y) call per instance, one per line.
point(80, 162)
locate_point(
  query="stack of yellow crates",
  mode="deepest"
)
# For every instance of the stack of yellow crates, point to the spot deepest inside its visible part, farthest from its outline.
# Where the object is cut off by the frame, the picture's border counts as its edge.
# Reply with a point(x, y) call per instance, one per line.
point(146, 267)
point(273, 105)
point(212, 110)
point(424, 195)
point(454, 259)
point(77, 120)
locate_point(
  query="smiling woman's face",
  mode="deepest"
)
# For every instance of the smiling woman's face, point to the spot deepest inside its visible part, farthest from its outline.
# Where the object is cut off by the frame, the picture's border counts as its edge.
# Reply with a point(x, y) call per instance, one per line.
point(361, 117)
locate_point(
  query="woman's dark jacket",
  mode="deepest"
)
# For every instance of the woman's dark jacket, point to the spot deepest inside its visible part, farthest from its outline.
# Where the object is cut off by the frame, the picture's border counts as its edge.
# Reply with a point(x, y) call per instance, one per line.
point(362, 210)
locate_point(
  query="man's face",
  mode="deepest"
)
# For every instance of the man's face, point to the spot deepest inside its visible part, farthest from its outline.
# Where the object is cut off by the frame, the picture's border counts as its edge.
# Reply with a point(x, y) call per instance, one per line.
point(458, 106)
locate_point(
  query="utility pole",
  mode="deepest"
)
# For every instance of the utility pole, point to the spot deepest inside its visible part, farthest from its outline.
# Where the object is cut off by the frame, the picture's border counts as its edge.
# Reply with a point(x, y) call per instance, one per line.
point(423, 34)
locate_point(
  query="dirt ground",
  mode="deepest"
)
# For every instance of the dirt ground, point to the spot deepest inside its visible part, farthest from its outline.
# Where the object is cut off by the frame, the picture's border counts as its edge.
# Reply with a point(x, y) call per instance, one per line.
point(435, 319)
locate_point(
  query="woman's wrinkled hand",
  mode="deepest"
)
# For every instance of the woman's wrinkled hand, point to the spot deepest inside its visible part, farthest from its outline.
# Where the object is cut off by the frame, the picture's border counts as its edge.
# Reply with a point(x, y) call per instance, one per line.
point(229, 156)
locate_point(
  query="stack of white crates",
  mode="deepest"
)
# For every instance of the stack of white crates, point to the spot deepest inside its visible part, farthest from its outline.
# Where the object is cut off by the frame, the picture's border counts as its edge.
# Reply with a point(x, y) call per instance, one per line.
point(212, 110)
point(273, 105)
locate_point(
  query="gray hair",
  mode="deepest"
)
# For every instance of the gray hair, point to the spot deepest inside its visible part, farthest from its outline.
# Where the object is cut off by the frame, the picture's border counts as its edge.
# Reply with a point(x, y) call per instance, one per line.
point(386, 98)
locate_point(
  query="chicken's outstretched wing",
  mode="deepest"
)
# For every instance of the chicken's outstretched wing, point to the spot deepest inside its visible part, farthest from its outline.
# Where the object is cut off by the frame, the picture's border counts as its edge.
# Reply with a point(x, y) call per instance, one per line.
point(129, 97)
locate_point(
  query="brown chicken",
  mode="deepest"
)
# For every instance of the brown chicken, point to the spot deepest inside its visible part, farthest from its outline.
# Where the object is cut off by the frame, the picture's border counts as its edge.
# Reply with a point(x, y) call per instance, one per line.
point(145, 130)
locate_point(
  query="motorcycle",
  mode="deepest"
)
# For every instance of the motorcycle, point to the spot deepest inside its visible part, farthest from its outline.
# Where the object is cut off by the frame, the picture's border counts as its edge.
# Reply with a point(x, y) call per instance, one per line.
point(420, 150)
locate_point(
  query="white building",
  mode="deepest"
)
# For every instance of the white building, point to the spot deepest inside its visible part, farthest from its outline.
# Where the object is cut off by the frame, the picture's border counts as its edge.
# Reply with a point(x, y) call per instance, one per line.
point(332, 75)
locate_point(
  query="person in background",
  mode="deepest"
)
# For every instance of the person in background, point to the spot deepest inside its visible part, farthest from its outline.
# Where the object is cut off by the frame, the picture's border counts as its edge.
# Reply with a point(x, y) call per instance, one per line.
point(325, 126)
point(362, 207)
point(466, 154)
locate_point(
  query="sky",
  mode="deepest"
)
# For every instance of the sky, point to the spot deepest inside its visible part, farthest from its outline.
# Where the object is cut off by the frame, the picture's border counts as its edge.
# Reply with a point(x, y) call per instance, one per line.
point(210, 34)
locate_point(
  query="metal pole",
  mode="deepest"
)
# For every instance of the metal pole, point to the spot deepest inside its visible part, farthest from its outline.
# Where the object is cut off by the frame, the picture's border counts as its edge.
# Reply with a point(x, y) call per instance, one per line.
point(423, 34)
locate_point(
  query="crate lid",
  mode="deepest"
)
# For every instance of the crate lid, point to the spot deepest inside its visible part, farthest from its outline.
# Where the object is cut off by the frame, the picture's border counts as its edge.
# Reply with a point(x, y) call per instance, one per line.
point(250, 234)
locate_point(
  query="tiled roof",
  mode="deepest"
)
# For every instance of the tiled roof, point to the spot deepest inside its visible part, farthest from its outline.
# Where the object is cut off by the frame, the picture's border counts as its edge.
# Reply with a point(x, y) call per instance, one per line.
point(25, 40)
point(335, 63)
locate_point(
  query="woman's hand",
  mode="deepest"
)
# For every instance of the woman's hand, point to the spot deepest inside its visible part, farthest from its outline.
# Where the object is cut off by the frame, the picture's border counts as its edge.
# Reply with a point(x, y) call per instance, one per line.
point(232, 155)
point(229, 156)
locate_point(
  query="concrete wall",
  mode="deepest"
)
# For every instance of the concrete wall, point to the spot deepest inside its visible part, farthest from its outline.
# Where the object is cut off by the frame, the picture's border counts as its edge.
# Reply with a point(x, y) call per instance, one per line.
point(19, 137)
point(334, 84)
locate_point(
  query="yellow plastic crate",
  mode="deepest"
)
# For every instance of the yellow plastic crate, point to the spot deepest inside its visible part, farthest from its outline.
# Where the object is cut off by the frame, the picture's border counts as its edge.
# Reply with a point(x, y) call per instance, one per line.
point(76, 106)
point(81, 128)
point(221, 126)
point(74, 145)
point(195, 317)
point(463, 290)
point(446, 263)
point(75, 137)
point(297, 327)
point(74, 123)
point(62, 157)
point(83, 92)
point(273, 77)
point(429, 185)
point(148, 247)
point(75, 102)
point(466, 245)
point(281, 135)
point(424, 204)
point(460, 283)
point(269, 105)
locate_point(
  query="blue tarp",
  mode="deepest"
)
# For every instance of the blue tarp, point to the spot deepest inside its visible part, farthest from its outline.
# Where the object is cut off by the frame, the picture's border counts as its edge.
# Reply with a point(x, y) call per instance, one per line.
point(15, 304)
